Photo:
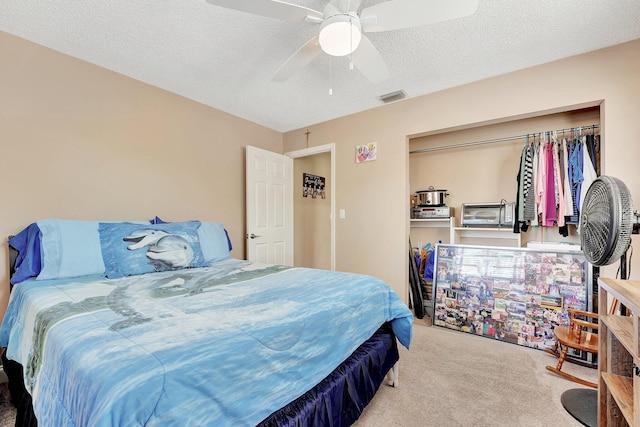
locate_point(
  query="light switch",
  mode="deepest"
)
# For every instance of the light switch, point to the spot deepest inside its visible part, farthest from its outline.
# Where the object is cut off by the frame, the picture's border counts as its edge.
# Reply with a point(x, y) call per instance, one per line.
point(343, 214)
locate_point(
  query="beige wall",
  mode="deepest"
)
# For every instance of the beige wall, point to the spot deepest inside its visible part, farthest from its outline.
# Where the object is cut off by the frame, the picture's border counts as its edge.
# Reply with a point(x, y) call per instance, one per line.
point(81, 142)
point(107, 147)
point(373, 237)
point(312, 222)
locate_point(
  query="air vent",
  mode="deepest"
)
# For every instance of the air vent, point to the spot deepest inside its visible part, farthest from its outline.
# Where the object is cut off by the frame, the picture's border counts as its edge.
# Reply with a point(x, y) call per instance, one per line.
point(392, 97)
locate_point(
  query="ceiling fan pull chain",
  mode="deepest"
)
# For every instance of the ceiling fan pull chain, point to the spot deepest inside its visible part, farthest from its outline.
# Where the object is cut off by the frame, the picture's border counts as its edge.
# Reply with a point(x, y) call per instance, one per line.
point(330, 76)
point(351, 43)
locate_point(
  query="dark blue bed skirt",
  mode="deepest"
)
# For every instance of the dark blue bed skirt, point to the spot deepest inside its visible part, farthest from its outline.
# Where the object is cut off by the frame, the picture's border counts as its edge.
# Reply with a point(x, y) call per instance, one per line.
point(336, 401)
point(340, 398)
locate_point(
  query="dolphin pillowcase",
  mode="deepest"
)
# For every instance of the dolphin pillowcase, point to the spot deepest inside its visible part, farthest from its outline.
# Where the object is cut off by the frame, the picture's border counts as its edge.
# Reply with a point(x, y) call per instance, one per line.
point(129, 249)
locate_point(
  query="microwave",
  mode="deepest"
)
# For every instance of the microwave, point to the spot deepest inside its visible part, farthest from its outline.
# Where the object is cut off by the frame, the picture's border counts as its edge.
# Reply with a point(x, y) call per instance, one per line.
point(500, 214)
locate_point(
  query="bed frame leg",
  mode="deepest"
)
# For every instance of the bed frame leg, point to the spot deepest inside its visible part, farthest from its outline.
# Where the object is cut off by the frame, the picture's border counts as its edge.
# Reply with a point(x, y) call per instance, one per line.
point(392, 376)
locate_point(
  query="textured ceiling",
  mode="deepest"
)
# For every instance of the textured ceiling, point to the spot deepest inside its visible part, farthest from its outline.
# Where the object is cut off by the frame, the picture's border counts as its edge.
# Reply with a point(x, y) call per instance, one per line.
point(226, 59)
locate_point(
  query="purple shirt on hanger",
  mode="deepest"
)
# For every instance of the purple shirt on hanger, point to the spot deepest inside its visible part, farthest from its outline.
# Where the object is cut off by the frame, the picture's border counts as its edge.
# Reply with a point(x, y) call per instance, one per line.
point(550, 194)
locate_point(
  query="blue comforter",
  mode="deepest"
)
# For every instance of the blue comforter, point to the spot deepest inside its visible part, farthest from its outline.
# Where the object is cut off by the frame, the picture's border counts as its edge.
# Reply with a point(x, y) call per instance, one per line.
point(223, 345)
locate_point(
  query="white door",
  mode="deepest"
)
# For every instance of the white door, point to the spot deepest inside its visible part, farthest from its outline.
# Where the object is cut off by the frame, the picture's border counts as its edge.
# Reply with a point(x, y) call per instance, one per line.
point(269, 207)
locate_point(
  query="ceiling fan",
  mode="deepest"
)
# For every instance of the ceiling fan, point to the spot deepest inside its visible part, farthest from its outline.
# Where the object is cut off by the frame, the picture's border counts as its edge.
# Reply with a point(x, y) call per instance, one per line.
point(342, 28)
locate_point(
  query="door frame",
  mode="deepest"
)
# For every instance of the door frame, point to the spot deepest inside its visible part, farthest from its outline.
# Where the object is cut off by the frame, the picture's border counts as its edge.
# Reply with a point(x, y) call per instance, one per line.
point(327, 148)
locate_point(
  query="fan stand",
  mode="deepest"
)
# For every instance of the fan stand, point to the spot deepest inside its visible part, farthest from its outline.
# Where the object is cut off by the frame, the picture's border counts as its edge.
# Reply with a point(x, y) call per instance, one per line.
point(582, 403)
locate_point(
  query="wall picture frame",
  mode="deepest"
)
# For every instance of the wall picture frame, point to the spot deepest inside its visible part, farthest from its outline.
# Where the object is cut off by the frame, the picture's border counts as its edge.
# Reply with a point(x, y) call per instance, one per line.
point(313, 186)
point(366, 152)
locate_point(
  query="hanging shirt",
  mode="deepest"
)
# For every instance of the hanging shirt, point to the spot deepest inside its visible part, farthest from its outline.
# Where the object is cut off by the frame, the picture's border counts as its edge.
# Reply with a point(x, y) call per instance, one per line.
point(557, 173)
point(550, 195)
point(521, 186)
point(592, 147)
point(529, 190)
point(575, 158)
point(588, 171)
point(568, 202)
point(542, 184)
point(536, 152)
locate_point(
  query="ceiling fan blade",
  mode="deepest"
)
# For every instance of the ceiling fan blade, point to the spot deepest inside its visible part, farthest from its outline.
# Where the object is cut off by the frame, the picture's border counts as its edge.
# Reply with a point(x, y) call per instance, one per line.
point(298, 60)
point(369, 61)
point(346, 5)
point(271, 8)
point(398, 14)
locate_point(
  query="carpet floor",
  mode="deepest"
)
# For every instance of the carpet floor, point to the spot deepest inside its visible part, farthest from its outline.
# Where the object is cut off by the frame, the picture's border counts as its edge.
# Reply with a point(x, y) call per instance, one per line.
point(7, 410)
point(451, 378)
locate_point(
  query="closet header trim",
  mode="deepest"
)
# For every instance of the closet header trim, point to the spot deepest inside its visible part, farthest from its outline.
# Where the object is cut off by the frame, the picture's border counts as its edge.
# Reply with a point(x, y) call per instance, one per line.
point(580, 129)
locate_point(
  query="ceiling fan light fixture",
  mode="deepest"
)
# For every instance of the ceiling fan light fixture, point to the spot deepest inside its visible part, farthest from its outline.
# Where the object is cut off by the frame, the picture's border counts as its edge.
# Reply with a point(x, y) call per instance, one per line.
point(340, 35)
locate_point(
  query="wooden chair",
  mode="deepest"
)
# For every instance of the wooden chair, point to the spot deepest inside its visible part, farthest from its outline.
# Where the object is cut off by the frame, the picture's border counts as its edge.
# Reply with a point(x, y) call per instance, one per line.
point(581, 334)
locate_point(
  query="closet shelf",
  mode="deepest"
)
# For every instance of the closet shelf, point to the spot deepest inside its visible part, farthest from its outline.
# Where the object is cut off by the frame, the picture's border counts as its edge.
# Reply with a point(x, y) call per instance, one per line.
point(504, 233)
point(434, 222)
point(619, 349)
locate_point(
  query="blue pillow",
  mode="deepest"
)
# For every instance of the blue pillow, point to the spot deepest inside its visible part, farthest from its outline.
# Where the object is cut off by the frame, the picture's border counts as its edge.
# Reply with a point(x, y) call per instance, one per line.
point(130, 249)
point(69, 248)
point(214, 241)
point(29, 260)
point(226, 233)
point(158, 220)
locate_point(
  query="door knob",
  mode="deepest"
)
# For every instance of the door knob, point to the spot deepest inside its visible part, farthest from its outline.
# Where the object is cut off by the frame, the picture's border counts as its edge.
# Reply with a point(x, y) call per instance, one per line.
point(253, 236)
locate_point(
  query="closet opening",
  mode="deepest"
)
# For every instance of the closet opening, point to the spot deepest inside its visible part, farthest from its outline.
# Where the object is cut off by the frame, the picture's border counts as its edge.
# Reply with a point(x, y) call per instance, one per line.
point(481, 164)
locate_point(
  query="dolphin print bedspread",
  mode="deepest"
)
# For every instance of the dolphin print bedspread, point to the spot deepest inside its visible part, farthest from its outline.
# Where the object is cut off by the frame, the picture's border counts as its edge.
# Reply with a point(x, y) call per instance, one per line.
point(222, 345)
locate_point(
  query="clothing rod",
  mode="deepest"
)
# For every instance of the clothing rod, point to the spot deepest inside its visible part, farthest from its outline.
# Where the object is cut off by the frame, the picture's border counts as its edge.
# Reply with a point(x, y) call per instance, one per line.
point(505, 139)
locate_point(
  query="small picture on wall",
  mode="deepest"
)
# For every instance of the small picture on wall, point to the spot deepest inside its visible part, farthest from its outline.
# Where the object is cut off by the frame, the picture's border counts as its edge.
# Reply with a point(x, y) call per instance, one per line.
point(313, 185)
point(366, 152)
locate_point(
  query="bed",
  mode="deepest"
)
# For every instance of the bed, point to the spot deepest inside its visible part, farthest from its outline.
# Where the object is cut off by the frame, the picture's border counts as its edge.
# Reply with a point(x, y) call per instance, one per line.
point(186, 335)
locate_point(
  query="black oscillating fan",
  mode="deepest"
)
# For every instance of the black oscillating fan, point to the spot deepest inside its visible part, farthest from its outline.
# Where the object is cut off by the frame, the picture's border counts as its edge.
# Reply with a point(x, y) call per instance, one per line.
point(607, 221)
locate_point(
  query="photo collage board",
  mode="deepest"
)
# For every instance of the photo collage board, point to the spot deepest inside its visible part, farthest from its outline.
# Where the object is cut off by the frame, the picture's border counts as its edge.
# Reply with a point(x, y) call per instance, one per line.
point(515, 295)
